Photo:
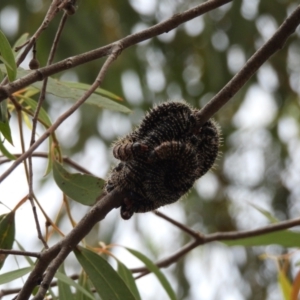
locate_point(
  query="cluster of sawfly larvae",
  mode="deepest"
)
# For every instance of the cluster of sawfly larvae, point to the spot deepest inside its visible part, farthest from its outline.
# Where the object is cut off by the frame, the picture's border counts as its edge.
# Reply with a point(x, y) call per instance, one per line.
point(162, 158)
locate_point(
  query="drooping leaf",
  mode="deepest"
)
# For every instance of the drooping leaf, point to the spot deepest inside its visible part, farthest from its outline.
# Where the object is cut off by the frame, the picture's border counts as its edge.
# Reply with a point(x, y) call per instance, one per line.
point(295, 287)
point(3, 111)
point(28, 258)
point(3, 105)
point(126, 275)
point(5, 152)
point(43, 116)
point(84, 284)
point(85, 87)
point(153, 268)
point(5, 130)
point(266, 213)
point(7, 57)
point(12, 275)
point(70, 282)
point(7, 234)
point(64, 290)
point(285, 238)
point(21, 40)
point(285, 285)
point(82, 188)
point(59, 89)
point(108, 284)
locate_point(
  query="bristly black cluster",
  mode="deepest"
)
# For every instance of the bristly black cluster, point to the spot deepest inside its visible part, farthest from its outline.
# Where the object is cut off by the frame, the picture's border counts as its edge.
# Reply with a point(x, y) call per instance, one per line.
point(162, 158)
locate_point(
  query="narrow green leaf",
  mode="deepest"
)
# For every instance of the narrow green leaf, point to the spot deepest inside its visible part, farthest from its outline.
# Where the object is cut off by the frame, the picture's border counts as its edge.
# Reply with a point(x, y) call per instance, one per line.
point(85, 87)
point(3, 111)
point(7, 233)
point(7, 56)
point(64, 290)
point(5, 130)
point(21, 40)
point(59, 89)
point(43, 116)
point(5, 152)
point(153, 268)
point(82, 188)
point(10, 276)
point(68, 281)
point(1, 75)
point(49, 160)
point(286, 286)
point(126, 275)
point(108, 284)
point(50, 294)
point(285, 238)
point(6, 63)
point(28, 258)
point(266, 213)
point(84, 284)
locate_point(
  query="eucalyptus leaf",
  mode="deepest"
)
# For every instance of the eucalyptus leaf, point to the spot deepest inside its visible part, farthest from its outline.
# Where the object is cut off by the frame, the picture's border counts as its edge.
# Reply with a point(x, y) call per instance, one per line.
point(82, 188)
point(108, 284)
point(154, 269)
point(85, 87)
point(7, 57)
point(127, 276)
point(62, 277)
point(64, 288)
point(5, 130)
point(285, 238)
point(5, 152)
point(7, 233)
point(10, 276)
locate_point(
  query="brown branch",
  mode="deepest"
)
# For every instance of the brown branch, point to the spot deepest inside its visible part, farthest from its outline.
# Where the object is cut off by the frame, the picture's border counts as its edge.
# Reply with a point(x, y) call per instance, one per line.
point(6, 292)
point(67, 160)
point(51, 13)
point(275, 43)
point(64, 116)
point(218, 237)
point(128, 41)
point(57, 254)
point(177, 224)
point(34, 125)
point(18, 252)
point(53, 256)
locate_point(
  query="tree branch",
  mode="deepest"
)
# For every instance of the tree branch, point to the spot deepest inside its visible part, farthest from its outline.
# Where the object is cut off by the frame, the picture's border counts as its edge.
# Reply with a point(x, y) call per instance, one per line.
point(128, 41)
point(66, 159)
point(17, 252)
point(53, 256)
point(275, 43)
point(218, 237)
point(116, 51)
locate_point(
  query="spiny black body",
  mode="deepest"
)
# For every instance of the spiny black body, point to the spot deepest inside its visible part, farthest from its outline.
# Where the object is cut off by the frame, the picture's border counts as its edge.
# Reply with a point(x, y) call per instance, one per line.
point(162, 158)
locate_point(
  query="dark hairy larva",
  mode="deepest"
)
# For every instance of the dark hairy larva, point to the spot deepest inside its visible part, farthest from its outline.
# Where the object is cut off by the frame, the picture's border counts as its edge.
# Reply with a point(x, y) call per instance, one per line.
point(162, 158)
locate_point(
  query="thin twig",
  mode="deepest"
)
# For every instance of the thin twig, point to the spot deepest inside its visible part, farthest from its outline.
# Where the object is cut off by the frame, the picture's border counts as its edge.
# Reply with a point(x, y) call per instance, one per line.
point(219, 237)
point(177, 224)
point(64, 252)
point(64, 116)
point(56, 254)
point(128, 41)
point(34, 125)
point(18, 252)
point(51, 13)
point(66, 159)
point(275, 43)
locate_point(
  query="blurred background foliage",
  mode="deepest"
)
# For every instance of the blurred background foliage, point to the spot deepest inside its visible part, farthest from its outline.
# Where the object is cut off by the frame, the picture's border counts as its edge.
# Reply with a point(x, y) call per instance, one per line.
point(259, 163)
